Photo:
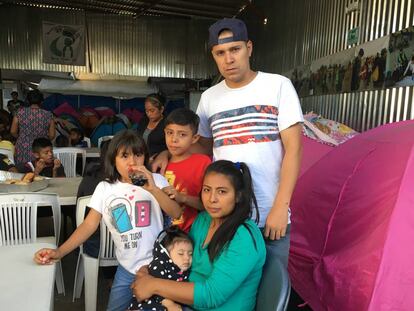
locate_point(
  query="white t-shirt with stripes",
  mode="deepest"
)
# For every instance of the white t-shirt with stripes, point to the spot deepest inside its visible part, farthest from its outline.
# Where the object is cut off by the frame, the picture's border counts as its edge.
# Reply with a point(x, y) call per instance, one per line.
point(245, 124)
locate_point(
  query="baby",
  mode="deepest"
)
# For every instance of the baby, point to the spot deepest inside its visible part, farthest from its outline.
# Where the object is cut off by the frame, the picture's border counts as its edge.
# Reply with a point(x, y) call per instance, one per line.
point(172, 257)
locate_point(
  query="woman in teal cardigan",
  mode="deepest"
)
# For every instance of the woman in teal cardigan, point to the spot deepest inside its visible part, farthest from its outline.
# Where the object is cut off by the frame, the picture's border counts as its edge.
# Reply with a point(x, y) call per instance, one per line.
point(229, 250)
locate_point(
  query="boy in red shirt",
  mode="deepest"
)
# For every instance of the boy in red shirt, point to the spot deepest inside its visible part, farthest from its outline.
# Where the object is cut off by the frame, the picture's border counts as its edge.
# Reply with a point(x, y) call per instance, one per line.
point(185, 170)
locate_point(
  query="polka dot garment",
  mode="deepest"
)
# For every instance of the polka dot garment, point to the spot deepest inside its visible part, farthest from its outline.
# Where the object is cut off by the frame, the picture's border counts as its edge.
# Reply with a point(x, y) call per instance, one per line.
point(160, 267)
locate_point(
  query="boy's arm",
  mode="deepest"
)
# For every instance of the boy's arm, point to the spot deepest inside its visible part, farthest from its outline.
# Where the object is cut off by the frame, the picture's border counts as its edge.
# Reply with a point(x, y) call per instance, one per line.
point(182, 198)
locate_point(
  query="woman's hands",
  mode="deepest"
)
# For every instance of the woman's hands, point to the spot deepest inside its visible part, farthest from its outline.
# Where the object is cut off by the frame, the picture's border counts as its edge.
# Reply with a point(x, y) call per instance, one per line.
point(142, 286)
point(47, 256)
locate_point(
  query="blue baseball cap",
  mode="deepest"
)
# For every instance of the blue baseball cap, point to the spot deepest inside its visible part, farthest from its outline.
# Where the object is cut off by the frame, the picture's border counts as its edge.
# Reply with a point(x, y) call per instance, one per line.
point(236, 26)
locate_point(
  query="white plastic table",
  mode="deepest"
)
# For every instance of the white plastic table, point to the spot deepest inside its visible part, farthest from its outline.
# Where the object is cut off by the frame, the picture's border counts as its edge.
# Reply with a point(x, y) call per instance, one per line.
point(24, 285)
point(66, 188)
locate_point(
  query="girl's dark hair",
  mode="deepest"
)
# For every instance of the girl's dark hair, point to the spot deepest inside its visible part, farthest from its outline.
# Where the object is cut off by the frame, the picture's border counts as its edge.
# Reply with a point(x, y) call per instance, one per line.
point(156, 99)
point(34, 97)
point(240, 178)
point(174, 235)
point(128, 140)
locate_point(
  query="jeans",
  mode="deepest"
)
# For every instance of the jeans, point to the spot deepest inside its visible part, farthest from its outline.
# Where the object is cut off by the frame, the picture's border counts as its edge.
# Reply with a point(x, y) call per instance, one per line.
point(279, 248)
point(121, 292)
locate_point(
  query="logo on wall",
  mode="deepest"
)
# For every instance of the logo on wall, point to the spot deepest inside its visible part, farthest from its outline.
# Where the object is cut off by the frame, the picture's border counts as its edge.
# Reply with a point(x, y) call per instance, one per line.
point(63, 44)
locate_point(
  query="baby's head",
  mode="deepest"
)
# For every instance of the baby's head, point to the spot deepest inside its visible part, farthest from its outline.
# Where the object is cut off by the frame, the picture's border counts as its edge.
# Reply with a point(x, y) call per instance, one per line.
point(179, 246)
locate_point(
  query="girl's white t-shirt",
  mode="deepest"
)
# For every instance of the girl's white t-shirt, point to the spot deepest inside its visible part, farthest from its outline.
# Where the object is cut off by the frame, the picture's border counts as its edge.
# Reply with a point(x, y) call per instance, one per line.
point(134, 218)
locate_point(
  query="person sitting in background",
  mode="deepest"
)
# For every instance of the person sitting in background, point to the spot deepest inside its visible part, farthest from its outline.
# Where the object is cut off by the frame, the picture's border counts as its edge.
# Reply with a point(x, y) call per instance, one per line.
point(151, 127)
point(76, 138)
point(44, 164)
point(62, 141)
point(15, 103)
point(6, 164)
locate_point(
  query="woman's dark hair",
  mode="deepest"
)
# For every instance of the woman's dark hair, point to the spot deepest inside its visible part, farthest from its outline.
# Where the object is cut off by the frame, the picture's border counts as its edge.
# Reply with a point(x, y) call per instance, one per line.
point(174, 235)
point(240, 178)
point(127, 140)
point(34, 97)
point(157, 100)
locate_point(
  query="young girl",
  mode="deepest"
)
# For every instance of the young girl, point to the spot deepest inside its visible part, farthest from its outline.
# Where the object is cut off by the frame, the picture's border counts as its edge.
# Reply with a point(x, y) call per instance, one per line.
point(229, 250)
point(173, 252)
point(132, 213)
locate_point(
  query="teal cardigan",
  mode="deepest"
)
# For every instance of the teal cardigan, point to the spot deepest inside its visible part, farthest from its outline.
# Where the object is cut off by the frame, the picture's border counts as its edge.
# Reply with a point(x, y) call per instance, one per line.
point(231, 281)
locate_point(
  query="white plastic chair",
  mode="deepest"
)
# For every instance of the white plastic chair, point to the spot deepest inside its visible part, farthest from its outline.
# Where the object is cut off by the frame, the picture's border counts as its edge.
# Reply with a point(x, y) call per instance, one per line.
point(8, 153)
point(18, 222)
point(88, 141)
point(87, 267)
point(104, 138)
point(68, 157)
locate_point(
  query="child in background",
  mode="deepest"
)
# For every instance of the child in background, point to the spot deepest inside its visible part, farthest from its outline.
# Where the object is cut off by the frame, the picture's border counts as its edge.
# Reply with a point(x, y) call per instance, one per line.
point(62, 141)
point(172, 253)
point(131, 213)
point(44, 164)
point(6, 164)
point(185, 170)
point(76, 138)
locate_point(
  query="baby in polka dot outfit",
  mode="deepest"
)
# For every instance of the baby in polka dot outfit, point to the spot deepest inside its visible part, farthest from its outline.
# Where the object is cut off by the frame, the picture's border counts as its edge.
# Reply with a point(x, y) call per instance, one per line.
point(172, 257)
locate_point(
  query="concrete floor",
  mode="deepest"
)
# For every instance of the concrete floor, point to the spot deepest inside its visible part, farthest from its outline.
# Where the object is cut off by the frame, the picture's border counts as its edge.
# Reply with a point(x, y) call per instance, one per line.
point(64, 302)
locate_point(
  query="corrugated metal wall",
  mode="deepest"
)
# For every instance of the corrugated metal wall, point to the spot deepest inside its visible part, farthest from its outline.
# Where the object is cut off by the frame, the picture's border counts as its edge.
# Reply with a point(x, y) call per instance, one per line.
point(299, 31)
point(158, 47)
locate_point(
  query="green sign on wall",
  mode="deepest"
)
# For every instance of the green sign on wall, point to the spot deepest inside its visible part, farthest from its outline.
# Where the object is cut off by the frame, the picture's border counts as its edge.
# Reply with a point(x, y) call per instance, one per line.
point(353, 36)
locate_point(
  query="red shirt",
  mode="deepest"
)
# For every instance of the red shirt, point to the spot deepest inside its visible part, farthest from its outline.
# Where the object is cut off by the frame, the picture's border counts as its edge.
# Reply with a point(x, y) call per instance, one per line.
point(187, 177)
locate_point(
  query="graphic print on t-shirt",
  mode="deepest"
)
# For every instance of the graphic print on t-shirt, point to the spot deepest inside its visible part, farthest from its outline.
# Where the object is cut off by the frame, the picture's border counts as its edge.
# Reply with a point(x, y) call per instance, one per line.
point(142, 213)
point(258, 123)
point(124, 210)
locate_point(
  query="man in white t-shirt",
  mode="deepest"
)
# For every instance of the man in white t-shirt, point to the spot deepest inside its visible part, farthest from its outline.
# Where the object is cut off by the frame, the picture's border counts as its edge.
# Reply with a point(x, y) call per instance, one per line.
point(253, 117)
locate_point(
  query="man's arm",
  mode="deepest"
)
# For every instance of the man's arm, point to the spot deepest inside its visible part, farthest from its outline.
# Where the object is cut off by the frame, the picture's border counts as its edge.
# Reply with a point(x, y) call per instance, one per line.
point(276, 222)
point(204, 146)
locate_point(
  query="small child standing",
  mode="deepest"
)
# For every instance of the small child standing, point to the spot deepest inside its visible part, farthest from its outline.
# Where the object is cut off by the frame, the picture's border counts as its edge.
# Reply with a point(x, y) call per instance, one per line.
point(185, 170)
point(132, 214)
point(172, 253)
point(44, 164)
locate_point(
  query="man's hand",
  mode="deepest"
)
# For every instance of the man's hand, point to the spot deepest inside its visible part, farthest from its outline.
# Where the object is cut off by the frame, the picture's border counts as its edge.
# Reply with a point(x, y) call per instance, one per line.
point(160, 162)
point(276, 223)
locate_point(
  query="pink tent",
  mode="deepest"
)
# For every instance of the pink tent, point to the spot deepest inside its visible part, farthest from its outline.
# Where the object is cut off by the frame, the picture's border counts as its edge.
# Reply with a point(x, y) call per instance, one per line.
point(353, 224)
point(313, 150)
